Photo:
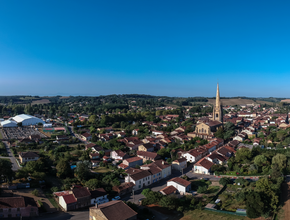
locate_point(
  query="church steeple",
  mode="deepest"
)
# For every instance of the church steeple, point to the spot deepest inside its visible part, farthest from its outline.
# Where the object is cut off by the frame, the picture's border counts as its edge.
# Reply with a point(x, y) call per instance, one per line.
point(217, 110)
point(217, 101)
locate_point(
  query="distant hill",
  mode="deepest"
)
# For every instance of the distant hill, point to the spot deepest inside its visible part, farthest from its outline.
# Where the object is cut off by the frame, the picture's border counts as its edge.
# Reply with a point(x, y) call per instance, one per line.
point(239, 101)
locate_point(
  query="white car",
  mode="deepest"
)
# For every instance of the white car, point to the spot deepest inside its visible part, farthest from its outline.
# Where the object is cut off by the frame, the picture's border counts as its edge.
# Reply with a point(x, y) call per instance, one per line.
point(116, 198)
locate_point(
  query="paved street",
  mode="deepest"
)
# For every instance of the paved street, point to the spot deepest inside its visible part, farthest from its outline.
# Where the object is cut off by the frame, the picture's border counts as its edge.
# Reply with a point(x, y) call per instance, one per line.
point(15, 166)
point(77, 215)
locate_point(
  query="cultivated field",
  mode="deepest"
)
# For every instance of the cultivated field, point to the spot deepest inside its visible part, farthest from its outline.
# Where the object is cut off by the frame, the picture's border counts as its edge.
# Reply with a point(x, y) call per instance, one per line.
point(41, 101)
point(233, 101)
point(286, 100)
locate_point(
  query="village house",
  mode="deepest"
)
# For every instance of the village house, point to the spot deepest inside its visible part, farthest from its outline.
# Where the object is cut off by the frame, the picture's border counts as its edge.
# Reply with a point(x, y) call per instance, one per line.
point(165, 168)
point(145, 155)
point(226, 151)
point(118, 155)
point(194, 155)
point(123, 188)
point(203, 166)
point(179, 164)
point(18, 207)
point(181, 185)
point(146, 147)
point(113, 210)
point(99, 196)
point(140, 178)
point(86, 136)
point(216, 158)
point(75, 199)
point(28, 156)
point(94, 156)
point(131, 162)
point(168, 190)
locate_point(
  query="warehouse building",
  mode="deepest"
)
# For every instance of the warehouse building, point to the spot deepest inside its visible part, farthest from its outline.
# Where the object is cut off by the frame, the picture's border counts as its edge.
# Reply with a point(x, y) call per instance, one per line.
point(8, 124)
point(27, 120)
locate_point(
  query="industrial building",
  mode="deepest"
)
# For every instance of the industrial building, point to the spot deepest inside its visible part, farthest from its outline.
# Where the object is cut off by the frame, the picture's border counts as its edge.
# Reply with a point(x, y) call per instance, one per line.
point(27, 120)
point(8, 124)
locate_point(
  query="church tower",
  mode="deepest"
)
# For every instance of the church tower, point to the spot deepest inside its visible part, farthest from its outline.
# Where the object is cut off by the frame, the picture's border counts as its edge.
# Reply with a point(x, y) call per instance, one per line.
point(217, 109)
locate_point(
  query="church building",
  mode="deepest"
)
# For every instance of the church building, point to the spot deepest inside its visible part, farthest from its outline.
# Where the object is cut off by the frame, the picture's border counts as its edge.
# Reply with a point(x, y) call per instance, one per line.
point(206, 128)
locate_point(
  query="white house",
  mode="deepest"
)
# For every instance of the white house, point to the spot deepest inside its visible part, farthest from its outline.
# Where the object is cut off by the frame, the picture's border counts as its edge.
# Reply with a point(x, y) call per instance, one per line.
point(180, 184)
point(203, 166)
point(194, 155)
point(179, 164)
point(140, 178)
point(99, 196)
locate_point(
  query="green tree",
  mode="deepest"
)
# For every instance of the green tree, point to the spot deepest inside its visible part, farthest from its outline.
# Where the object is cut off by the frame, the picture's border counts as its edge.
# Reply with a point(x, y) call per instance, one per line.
point(35, 192)
point(260, 160)
point(63, 169)
point(92, 184)
point(168, 202)
point(6, 170)
point(280, 160)
point(224, 181)
point(82, 171)
point(145, 192)
point(92, 119)
point(254, 205)
point(243, 154)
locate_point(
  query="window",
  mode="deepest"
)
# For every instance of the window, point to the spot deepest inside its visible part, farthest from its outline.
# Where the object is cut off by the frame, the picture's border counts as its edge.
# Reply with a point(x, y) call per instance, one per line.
point(1, 210)
point(153, 176)
point(139, 186)
point(18, 209)
point(9, 210)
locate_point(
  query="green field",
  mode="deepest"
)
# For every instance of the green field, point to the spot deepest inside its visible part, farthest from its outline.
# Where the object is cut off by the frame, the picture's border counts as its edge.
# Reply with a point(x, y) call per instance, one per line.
point(206, 215)
point(102, 170)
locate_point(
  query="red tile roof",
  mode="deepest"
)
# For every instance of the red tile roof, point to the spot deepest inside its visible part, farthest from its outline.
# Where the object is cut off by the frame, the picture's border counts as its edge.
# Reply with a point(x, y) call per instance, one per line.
point(116, 210)
point(168, 190)
point(204, 163)
point(180, 181)
point(133, 159)
point(12, 202)
point(69, 199)
point(81, 192)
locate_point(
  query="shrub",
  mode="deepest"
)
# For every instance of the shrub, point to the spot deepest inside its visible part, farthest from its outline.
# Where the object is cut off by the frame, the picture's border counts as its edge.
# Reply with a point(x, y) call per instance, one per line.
point(202, 189)
point(35, 192)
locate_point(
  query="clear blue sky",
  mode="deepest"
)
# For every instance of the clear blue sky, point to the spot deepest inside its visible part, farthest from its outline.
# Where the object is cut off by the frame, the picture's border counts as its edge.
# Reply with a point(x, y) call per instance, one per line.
point(164, 47)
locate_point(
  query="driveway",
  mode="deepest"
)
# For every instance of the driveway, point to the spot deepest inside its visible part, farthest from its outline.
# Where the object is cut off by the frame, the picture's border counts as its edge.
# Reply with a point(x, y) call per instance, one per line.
point(15, 166)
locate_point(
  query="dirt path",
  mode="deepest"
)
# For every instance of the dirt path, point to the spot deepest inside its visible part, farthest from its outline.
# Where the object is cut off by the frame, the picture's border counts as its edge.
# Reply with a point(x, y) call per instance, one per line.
point(46, 203)
point(286, 199)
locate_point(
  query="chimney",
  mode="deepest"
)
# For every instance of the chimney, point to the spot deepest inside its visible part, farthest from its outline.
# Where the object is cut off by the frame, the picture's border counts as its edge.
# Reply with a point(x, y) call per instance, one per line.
point(162, 162)
point(96, 205)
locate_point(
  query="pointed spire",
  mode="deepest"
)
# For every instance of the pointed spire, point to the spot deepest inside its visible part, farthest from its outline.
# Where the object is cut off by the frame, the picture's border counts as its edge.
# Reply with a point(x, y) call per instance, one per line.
point(217, 96)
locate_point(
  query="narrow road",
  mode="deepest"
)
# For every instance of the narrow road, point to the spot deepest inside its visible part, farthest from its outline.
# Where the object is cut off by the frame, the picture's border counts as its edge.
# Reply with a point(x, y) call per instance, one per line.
point(15, 166)
point(285, 197)
point(72, 215)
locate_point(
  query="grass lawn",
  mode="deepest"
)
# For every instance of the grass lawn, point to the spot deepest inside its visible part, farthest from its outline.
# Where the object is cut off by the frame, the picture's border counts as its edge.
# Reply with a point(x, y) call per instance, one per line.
point(206, 215)
point(50, 198)
point(102, 170)
point(213, 189)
